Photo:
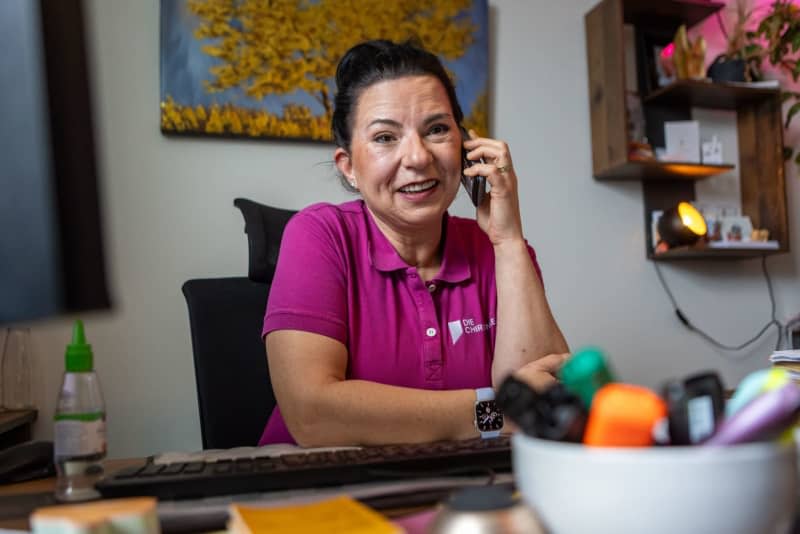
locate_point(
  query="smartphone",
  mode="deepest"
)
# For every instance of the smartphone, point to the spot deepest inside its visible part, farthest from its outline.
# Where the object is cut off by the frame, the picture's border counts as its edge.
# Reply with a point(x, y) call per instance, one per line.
point(475, 186)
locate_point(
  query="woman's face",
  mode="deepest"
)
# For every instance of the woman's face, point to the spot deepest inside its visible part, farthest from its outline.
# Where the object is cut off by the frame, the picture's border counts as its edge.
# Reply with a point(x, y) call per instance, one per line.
point(405, 153)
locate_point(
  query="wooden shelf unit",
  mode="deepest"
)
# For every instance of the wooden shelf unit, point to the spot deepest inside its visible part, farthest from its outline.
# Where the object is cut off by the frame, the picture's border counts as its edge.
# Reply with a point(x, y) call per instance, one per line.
point(758, 118)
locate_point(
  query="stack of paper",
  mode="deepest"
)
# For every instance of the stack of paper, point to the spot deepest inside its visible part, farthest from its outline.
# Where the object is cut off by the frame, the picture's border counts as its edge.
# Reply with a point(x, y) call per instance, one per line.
point(789, 360)
point(340, 514)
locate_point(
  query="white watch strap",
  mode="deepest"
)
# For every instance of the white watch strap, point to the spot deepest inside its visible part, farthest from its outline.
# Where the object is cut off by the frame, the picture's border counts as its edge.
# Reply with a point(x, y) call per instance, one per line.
point(486, 394)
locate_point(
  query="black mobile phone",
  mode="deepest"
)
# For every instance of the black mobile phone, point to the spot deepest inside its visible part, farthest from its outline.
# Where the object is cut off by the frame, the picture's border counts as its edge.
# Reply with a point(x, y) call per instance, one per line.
point(475, 186)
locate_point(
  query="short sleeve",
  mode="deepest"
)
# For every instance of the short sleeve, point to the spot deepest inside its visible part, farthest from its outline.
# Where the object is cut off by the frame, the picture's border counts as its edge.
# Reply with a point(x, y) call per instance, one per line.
point(309, 290)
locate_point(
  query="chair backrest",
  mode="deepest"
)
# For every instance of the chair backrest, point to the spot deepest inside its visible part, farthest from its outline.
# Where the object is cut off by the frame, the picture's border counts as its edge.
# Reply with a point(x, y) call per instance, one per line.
point(234, 393)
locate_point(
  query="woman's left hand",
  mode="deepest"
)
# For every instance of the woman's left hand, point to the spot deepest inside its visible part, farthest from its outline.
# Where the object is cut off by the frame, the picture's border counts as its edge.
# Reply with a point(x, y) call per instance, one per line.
point(499, 214)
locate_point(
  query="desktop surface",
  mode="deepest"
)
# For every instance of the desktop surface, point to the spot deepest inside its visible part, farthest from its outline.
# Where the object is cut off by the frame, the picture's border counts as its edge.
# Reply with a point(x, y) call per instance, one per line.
point(394, 480)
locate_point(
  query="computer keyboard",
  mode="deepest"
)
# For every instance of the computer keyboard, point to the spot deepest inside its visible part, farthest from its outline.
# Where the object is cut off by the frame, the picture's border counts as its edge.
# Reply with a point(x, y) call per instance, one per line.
point(192, 480)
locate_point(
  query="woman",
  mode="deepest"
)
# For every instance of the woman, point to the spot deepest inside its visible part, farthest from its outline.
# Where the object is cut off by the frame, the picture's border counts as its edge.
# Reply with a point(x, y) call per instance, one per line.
point(387, 317)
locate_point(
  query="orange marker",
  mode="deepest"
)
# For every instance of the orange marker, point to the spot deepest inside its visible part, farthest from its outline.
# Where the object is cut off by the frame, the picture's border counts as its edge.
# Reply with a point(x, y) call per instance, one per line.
point(623, 415)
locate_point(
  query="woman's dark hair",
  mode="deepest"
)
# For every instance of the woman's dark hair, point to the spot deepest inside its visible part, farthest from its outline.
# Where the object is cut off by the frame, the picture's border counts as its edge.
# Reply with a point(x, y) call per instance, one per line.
point(375, 61)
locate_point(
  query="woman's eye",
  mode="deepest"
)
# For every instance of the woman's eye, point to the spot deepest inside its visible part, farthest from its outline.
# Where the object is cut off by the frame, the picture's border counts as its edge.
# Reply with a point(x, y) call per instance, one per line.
point(439, 129)
point(383, 138)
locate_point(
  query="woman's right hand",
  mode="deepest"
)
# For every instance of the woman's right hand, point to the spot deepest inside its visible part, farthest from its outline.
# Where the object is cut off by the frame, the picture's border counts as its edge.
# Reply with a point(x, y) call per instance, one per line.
point(542, 373)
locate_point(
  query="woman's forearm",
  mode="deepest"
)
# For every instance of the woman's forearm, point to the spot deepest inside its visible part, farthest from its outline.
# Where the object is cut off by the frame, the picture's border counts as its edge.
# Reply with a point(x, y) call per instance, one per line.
point(358, 412)
point(526, 329)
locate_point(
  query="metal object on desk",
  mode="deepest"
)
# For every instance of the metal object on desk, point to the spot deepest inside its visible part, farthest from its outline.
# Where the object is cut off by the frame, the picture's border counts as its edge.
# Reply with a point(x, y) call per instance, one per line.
point(486, 510)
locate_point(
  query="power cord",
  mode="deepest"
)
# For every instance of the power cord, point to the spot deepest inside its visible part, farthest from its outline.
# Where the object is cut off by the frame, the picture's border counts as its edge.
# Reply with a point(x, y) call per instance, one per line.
point(685, 320)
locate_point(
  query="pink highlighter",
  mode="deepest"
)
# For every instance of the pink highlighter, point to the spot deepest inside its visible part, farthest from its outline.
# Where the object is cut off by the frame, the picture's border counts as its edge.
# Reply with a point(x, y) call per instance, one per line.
point(763, 418)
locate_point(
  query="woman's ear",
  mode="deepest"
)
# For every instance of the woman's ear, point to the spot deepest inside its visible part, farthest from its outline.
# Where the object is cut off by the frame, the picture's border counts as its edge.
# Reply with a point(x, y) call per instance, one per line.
point(345, 165)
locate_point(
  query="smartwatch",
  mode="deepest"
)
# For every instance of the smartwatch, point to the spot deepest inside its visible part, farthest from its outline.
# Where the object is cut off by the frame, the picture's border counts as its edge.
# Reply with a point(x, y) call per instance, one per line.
point(488, 417)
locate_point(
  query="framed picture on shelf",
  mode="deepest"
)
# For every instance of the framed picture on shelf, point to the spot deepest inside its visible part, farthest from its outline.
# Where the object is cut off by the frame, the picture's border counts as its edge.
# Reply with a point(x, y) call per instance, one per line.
point(650, 43)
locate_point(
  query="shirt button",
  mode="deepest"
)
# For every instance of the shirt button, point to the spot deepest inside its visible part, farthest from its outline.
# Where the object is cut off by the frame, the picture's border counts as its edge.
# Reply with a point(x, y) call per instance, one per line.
point(431, 288)
point(431, 332)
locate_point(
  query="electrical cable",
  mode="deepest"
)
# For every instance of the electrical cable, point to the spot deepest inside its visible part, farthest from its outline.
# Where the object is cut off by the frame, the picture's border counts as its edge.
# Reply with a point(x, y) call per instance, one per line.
point(685, 320)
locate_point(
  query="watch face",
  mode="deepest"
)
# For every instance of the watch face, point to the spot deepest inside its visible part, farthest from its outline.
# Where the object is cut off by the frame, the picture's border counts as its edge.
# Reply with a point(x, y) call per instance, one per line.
point(487, 416)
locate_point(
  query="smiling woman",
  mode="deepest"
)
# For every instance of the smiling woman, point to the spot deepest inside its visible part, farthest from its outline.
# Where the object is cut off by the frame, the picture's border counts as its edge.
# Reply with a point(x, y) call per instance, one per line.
point(405, 160)
point(365, 293)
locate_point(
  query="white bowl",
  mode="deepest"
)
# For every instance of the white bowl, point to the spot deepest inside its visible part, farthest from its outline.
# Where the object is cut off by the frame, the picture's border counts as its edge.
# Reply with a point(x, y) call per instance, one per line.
point(740, 489)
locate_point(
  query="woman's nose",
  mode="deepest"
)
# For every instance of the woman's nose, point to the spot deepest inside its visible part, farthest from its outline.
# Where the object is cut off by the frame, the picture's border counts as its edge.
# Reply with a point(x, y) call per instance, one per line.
point(416, 152)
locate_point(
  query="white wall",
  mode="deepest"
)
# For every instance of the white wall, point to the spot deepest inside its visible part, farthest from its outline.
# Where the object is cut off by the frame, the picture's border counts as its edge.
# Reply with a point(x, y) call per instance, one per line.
point(169, 214)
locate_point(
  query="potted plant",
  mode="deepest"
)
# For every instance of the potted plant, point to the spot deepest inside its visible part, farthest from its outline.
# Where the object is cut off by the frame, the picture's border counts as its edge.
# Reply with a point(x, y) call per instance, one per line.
point(777, 40)
point(742, 56)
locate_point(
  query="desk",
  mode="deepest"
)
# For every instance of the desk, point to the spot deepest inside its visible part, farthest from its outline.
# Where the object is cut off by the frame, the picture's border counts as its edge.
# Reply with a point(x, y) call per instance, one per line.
point(42, 491)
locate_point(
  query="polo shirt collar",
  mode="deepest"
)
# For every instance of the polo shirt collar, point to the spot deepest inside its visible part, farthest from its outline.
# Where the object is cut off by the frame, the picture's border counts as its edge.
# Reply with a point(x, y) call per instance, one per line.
point(383, 256)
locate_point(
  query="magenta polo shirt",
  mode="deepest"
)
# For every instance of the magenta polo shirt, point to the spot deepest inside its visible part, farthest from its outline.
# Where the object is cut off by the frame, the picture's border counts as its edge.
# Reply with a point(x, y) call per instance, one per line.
point(338, 276)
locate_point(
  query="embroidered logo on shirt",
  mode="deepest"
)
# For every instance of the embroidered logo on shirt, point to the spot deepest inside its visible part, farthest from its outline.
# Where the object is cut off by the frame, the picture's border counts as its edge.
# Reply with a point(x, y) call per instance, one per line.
point(455, 330)
point(468, 326)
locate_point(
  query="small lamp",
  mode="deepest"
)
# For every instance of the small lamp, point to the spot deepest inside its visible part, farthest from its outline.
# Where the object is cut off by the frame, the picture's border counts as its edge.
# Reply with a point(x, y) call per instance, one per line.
point(681, 225)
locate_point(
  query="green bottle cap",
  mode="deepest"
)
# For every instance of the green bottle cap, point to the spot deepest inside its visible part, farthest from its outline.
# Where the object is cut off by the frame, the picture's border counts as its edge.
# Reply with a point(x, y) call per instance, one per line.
point(585, 372)
point(79, 353)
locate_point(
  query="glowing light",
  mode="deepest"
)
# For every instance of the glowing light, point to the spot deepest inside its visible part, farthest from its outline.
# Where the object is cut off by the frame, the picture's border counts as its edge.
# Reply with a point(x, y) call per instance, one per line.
point(692, 219)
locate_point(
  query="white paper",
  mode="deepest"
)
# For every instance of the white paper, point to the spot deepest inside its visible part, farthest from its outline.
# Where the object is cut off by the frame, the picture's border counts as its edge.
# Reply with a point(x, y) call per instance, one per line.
point(682, 140)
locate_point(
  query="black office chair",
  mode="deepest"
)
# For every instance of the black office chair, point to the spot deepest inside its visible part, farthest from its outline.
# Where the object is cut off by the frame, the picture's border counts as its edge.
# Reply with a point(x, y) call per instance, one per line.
point(234, 393)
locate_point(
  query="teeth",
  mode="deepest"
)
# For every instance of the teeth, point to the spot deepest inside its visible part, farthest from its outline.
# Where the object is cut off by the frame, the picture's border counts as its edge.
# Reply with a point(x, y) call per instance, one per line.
point(416, 188)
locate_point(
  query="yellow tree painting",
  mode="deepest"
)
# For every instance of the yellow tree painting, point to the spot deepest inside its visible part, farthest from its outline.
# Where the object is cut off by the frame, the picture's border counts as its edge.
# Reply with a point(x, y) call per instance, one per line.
point(265, 68)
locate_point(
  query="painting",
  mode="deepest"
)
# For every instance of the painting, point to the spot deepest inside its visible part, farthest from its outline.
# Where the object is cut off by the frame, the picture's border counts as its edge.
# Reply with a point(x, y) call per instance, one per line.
point(258, 69)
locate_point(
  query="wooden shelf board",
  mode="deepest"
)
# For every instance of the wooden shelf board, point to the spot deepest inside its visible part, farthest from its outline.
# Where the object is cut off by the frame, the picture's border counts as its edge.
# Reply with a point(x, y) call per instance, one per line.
point(13, 418)
point(654, 12)
point(708, 94)
point(705, 253)
point(662, 170)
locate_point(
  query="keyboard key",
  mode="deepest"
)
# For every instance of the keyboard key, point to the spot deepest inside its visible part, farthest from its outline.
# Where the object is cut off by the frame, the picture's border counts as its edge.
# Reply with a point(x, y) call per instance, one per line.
point(223, 466)
point(129, 472)
point(192, 468)
point(243, 465)
point(263, 465)
point(151, 470)
point(295, 459)
point(173, 469)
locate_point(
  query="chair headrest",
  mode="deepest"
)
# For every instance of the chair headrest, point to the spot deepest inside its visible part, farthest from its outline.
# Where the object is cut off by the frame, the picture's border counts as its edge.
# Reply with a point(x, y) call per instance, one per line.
point(264, 228)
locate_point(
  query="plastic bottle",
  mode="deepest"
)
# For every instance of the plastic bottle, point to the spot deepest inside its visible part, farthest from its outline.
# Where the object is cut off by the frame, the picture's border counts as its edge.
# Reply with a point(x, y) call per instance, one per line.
point(80, 424)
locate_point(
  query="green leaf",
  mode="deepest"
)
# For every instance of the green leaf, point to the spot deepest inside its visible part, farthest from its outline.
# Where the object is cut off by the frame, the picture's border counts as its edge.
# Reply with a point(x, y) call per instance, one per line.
point(795, 40)
point(753, 50)
point(797, 158)
point(763, 27)
point(792, 112)
point(786, 95)
point(787, 153)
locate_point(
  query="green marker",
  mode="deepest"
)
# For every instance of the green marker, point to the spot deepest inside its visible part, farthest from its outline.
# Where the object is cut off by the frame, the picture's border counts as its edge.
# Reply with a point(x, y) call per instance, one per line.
point(585, 372)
